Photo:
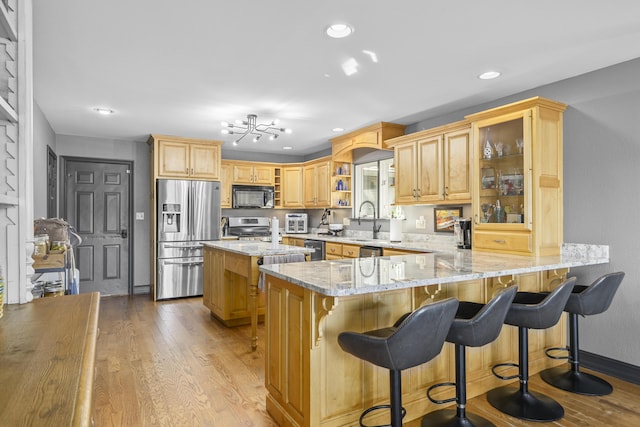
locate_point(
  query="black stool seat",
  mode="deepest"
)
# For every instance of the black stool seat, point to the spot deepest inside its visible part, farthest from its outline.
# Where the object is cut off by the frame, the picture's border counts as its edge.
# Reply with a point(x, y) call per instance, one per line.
point(584, 300)
point(417, 338)
point(531, 310)
point(475, 325)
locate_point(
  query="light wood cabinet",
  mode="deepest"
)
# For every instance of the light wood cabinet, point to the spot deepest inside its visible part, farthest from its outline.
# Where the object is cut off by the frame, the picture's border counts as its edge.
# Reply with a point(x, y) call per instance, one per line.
point(292, 187)
point(317, 184)
point(226, 182)
point(434, 166)
point(341, 184)
point(227, 285)
point(517, 203)
point(374, 136)
point(251, 173)
point(185, 158)
point(335, 250)
point(393, 251)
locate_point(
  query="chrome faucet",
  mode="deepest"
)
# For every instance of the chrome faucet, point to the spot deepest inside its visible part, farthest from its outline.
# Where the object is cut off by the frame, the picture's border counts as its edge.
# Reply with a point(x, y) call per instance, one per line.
point(376, 227)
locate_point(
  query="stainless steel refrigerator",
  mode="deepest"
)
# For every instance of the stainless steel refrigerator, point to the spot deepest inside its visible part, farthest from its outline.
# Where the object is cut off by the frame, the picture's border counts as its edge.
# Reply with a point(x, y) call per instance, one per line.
point(188, 214)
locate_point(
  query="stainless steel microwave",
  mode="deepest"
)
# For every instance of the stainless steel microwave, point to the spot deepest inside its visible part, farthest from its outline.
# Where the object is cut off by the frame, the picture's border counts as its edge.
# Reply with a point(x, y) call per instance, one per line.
point(251, 196)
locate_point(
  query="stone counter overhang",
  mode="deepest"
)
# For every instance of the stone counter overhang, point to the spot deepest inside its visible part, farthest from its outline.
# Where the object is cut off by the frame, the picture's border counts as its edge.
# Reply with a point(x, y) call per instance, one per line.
point(254, 248)
point(378, 274)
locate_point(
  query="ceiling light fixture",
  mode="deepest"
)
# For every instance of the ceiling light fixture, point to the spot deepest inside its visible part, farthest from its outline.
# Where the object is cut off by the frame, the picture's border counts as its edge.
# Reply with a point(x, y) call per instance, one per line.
point(286, 147)
point(337, 129)
point(339, 31)
point(103, 111)
point(251, 127)
point(489, 75)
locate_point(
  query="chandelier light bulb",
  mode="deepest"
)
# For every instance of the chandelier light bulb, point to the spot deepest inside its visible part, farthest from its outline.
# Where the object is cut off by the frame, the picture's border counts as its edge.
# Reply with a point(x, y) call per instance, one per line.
point(225, 131)
point(225, 124)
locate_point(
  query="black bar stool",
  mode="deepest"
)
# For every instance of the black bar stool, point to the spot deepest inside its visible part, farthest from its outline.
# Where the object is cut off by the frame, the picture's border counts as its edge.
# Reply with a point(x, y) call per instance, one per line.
point(414, 340)
point(530, 310)
point(584, 300)
point(475, 325)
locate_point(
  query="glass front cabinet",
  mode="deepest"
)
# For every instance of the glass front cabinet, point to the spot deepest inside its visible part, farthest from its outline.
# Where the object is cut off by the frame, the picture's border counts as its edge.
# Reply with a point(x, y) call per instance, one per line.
point(517, 197)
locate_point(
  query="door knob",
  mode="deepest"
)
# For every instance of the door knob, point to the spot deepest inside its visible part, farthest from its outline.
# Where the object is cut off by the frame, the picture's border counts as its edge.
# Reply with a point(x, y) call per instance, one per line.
point(124, 233)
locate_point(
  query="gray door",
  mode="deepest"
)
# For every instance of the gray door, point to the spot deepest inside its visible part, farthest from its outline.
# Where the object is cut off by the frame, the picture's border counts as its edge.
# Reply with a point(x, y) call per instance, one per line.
point(52, 183)
point(97, 205)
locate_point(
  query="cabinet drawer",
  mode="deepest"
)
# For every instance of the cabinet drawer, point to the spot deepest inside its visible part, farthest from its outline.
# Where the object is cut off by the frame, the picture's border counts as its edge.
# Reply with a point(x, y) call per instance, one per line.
point(350, 251)
point(333, 249)
point(502, 241)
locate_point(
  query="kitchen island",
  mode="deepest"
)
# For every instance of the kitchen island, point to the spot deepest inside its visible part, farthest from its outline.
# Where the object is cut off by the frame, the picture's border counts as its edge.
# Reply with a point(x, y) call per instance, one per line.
point(230, 280)
point(311, 382)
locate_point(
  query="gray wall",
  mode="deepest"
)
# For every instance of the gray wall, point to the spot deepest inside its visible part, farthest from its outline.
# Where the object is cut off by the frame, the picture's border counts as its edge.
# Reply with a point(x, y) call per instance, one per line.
point(138, 152)
point(601, 172)
point(43, 136)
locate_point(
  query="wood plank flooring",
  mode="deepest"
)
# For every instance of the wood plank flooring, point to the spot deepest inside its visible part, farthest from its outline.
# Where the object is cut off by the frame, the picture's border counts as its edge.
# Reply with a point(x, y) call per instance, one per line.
point(169, 364)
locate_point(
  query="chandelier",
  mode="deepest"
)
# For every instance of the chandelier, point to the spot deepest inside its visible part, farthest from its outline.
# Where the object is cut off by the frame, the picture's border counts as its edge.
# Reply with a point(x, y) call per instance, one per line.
point(251, 127)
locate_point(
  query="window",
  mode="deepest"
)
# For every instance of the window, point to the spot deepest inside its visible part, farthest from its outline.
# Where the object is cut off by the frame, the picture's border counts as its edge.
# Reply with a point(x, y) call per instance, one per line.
point(374, 182)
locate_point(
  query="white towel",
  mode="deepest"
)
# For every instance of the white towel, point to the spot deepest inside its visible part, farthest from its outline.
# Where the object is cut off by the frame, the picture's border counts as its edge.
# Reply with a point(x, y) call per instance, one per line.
point(278, 259)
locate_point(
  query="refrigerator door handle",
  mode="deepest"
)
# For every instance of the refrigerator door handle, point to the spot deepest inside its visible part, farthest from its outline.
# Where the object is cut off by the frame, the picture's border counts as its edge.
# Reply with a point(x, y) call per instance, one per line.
point(183, 247)
point(183, 263)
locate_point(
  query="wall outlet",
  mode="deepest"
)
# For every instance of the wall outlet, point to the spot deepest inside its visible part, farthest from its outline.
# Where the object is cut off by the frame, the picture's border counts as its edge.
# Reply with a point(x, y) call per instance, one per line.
point(139, 216)
point(421, 224)
point(346, 221)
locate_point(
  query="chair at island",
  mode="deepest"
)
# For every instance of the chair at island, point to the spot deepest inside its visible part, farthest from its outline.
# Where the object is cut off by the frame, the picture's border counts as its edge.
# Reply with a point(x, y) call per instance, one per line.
point(475, 325)
point(585, 301)
point(530, 310)
point(413, 340)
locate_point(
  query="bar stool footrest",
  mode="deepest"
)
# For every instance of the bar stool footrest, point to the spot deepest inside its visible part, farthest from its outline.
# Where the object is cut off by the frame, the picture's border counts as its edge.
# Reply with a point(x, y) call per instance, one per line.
point(505, 377)
point(548, 351)
point(440, 401)
point(376, 408)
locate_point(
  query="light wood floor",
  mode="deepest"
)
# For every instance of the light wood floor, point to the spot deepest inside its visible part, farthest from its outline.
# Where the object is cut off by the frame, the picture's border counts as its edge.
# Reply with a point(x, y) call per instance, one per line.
point(170, 364)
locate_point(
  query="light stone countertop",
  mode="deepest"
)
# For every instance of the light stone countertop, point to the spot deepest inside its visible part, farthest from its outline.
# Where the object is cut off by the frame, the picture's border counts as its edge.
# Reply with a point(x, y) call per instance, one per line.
point(367, 275)
point(256, 248)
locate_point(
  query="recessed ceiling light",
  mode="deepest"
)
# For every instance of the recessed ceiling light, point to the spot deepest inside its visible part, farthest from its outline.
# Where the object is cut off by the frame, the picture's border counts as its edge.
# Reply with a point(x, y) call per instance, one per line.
point(287, 148)
point(337, 129)
point(338, 31)
point(103, 111)
point(489, 75)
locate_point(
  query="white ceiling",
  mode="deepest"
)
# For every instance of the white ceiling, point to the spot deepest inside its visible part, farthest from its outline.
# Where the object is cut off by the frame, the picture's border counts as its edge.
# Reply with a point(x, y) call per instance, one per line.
point(182, 67)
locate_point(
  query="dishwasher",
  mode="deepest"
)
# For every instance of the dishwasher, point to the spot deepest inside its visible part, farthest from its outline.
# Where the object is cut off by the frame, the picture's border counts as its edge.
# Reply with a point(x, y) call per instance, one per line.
point(368, 251)
point(318, 246)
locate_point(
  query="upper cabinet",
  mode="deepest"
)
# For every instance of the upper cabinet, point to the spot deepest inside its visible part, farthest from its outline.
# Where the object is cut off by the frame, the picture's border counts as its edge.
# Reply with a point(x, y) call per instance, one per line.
point(517, 203)
point(292, 187)
point(185, 158)
point(253, 173)
point(226, 181)
point(433, 166)
point(374, 136)
point(317, 184)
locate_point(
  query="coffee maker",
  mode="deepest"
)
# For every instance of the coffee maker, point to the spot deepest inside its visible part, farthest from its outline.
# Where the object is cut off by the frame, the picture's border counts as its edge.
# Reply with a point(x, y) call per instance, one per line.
point(462, 232)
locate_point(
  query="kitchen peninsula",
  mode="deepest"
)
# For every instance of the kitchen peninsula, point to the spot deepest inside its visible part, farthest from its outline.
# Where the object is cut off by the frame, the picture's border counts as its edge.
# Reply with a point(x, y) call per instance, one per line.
point(230, 282)
point(311, 382)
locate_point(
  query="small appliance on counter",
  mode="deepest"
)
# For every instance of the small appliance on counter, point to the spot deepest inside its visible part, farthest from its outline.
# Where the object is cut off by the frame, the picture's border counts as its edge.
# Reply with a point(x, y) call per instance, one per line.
point(295, 223)
point(462, 232)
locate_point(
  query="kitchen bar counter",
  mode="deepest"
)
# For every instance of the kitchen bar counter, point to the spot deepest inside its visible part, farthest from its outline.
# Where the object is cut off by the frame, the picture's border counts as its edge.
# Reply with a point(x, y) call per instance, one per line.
point(230, 280)
point(442, 245)
point(47, 361)
point(311, 382)
point(365, 275)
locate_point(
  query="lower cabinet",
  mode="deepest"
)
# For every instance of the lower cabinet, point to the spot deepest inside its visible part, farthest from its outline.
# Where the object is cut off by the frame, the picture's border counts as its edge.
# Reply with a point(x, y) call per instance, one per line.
point(341, 250)
point(227, 281)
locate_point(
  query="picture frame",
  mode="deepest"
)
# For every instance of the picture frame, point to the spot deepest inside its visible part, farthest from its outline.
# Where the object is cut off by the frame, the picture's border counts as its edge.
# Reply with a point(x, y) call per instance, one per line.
point(444, 218)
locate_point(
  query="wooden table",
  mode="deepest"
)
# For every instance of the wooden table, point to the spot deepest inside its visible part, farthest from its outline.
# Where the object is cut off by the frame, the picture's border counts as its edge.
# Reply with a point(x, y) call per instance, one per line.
point(47, 361)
